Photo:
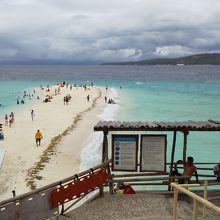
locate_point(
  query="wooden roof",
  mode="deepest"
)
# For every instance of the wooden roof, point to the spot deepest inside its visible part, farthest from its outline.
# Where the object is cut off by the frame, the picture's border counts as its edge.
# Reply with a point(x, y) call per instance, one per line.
point(210, 125)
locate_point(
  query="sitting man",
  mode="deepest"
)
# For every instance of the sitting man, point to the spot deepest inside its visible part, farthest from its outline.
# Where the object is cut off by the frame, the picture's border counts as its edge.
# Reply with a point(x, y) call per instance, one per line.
point(190, 169)
point(216, 171)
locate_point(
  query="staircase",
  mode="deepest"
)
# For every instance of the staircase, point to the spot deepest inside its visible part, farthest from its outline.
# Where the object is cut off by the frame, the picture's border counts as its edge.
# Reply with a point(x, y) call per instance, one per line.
point(140, 206)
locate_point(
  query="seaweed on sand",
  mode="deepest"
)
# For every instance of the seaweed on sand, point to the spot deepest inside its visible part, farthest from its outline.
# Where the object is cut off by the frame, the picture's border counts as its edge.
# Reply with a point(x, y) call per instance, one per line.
point(33, 172)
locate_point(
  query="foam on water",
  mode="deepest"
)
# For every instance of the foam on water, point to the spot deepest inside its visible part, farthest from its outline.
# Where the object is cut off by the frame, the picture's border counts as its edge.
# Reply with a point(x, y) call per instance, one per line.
point(91, 153)
point(109, 113)
point(139, 83)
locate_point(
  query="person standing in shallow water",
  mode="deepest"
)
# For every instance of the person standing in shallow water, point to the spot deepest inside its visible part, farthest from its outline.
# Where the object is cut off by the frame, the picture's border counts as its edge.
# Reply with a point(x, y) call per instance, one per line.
point(38, 137)
point(32, 114)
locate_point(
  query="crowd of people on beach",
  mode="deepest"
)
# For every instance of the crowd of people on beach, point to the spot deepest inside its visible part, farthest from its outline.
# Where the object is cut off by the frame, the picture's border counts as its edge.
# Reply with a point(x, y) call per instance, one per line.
point(26, 96)
point(9, 120)
point(66, 99)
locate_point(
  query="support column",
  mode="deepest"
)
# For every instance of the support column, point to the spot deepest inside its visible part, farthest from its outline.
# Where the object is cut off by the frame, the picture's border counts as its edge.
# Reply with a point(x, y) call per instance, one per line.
point(185, 148)
point(104, 155)
point(105, 146)
point(172, 155)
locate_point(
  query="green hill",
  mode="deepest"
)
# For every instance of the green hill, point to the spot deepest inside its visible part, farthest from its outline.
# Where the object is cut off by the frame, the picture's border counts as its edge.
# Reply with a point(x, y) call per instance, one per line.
point(197, 59)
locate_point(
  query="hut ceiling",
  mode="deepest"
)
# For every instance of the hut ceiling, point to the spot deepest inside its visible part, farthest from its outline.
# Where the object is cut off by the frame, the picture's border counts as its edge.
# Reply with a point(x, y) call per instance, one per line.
point(210, 125)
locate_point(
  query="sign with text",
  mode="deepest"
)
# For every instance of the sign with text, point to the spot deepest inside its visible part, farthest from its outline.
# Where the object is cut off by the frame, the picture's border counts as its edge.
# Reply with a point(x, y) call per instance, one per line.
point(124, 152)
point(153, 153)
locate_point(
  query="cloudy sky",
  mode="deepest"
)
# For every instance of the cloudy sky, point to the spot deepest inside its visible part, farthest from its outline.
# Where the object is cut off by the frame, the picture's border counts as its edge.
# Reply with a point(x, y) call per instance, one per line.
point(94, 31)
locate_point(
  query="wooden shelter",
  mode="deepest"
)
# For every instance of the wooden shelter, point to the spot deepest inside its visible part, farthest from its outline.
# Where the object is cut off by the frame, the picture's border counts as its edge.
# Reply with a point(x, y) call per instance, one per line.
point(181, 126)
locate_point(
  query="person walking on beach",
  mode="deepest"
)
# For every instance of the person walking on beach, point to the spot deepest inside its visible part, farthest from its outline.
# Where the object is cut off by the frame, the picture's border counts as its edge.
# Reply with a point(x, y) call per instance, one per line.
point(32, 114)
point(6, 120)
point(10, 120)
point(12, 116)
point(88, 98)
point(38, 137)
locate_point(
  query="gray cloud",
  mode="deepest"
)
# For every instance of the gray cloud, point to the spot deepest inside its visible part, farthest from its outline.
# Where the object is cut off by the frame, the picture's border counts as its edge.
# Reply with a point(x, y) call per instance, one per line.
point(107, 30)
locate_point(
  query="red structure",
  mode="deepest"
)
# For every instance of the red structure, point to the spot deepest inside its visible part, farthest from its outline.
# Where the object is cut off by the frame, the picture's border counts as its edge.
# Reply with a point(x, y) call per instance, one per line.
point(79, 187)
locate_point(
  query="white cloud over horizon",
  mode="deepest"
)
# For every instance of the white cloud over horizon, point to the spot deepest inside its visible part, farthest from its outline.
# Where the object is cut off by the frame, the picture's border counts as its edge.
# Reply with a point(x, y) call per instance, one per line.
point(107, 30)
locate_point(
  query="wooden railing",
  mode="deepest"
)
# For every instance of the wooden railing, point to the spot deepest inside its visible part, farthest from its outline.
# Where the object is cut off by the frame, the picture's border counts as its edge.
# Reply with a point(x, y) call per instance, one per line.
point(197, 199)
point(56, 193)
point(205, 172)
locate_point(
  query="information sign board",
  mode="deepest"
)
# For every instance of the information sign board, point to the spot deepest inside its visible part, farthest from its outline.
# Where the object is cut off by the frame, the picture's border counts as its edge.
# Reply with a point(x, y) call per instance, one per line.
point(153, 153)
point(124, 152)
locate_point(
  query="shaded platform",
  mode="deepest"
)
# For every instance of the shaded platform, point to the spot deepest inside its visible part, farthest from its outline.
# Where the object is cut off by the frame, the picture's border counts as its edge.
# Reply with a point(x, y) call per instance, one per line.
point(141, 206)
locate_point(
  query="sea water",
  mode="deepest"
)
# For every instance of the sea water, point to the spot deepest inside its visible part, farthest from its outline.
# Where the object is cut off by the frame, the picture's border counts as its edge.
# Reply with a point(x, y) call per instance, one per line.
point(142, 93)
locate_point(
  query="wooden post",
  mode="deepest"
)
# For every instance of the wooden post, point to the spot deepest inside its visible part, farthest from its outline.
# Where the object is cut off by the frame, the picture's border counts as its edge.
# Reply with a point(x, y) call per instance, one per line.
point(195, 210)
point(205, 197)
point(13, 193)
point(172, 155)
point(105, 146)
point(184, 149)
point(196, 197)
point(104, 155)
point(175, 204)
point(111, 184)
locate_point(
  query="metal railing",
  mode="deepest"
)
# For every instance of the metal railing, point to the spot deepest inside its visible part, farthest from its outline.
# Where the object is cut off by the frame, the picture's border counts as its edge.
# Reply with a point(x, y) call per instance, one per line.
point(22, 205)
point(197, 199)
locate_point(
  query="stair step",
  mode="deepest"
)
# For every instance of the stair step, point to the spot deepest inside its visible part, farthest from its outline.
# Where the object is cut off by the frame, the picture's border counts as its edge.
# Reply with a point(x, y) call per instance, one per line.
point(151, 218)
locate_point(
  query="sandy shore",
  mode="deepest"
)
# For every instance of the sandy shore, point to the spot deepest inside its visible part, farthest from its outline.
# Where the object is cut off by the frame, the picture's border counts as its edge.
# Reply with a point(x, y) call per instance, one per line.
point(64, 129)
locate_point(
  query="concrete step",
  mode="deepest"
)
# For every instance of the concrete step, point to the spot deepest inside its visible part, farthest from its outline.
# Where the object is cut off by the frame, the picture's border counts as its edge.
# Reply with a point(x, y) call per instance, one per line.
point(151, 218)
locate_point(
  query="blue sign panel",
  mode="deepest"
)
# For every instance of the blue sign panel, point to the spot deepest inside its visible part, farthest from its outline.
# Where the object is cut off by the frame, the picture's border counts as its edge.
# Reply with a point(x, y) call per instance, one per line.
point(124, 152)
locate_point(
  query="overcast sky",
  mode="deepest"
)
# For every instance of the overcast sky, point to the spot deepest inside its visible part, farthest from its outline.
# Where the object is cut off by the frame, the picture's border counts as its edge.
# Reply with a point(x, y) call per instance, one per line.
point(87, 31)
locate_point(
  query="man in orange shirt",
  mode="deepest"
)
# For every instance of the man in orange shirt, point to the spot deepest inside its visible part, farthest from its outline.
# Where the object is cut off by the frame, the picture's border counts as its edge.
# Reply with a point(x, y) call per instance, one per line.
point(190, 169)
point(38, 137)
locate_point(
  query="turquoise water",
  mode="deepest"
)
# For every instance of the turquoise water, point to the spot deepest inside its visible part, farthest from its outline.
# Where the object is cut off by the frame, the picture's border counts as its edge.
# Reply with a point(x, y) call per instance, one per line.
point(169, 101)
point(148, 93)
point(11, 91)
point(177, 101)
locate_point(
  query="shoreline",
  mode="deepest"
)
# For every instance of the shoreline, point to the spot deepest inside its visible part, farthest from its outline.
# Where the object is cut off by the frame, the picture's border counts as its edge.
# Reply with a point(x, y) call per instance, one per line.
point(78, 151)
point(33, 172)
point(24, 165)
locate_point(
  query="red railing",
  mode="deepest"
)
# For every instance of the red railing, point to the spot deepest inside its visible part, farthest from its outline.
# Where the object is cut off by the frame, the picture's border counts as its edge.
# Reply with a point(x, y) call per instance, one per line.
point(79, 187)
point(44, 202)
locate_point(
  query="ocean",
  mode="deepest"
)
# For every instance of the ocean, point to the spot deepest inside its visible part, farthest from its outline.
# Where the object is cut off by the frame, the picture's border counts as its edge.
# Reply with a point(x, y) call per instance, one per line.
point(142, 93)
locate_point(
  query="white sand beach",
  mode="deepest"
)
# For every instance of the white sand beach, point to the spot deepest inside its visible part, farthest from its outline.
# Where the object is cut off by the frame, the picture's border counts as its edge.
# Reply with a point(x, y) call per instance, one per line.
point(64, 128)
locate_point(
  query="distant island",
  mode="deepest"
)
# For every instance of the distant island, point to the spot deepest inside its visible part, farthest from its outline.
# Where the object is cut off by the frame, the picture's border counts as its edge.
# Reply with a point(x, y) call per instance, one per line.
point(197, 59)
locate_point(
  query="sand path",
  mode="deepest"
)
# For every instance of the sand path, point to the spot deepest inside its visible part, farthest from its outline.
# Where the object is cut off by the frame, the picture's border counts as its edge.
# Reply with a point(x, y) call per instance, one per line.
point(26, 166)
